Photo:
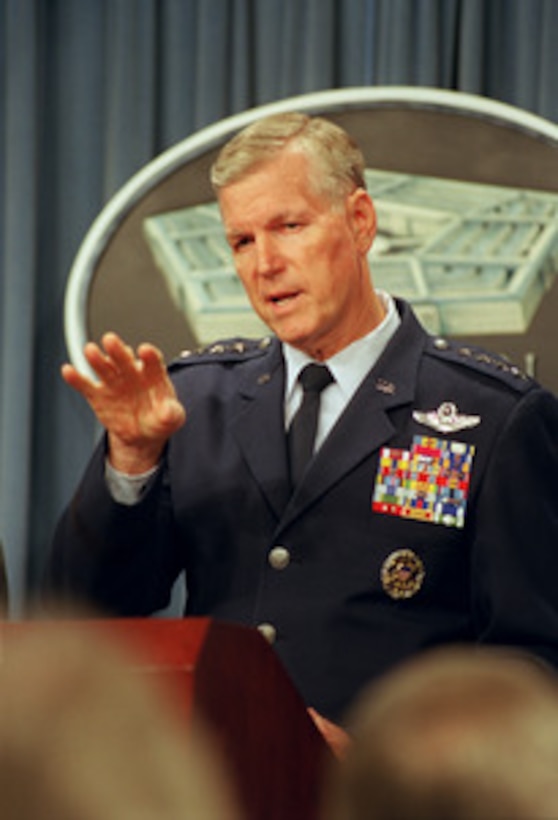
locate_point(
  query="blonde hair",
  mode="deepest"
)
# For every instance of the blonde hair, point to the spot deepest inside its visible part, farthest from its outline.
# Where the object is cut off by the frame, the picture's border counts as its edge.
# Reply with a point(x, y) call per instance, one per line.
point(461, 732)
point(336, 161)
point(86, 735)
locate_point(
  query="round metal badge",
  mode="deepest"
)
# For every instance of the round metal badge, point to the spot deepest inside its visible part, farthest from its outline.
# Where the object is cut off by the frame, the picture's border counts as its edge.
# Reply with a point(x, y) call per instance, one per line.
point(402, 574)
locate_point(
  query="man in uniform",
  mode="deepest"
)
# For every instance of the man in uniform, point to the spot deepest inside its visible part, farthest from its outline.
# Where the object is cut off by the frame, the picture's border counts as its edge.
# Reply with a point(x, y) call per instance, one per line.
point(424, 510)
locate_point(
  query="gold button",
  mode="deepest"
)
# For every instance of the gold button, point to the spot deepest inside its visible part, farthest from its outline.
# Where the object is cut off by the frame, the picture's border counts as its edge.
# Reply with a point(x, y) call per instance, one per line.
point(279, 557)
point(268, 631)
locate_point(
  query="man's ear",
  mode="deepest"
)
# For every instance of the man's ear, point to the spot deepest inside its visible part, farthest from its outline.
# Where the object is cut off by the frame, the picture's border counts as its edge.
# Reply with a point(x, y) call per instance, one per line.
point(362, 215)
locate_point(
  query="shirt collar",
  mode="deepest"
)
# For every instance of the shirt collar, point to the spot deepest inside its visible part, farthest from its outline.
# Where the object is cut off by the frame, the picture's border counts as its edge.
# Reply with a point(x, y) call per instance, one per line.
point(350, 365)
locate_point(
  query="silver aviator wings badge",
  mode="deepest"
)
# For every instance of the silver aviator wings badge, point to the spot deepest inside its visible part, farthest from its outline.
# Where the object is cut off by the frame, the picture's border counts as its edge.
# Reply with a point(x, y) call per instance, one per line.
point(446, 419)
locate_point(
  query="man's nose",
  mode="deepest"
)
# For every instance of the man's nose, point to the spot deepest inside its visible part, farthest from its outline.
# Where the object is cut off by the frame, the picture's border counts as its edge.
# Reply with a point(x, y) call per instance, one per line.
point(267, 256)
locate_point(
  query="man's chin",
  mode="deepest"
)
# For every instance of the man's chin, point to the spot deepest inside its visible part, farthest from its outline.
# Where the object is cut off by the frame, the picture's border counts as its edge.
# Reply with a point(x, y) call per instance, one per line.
point(285, 330)
point(288, 329)
point(294, 340)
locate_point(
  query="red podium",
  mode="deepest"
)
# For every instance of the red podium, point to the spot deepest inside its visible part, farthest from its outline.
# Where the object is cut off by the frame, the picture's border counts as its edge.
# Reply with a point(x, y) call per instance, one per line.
point(234, 680)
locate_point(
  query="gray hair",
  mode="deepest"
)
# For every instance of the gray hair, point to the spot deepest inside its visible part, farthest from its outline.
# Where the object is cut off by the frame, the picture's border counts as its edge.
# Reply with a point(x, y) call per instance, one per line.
point(336, 161)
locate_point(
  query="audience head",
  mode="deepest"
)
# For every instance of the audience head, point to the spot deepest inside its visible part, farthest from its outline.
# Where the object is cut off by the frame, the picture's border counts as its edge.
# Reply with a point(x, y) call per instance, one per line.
point(85, 737)
point(454, 734)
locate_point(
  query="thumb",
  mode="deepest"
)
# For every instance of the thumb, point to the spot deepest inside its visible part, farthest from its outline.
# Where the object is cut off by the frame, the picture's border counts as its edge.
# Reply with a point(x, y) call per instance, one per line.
point(173, 414)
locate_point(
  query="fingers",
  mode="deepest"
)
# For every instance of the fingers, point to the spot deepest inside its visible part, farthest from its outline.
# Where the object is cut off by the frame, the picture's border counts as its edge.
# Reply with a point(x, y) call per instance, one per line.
point(171, 412)
point(119, 358)
point(154, 366)
point(120, 355)
point(113, 361)
point(76, 380)
point(132, 396)
point(122, 372)
point(101, 364)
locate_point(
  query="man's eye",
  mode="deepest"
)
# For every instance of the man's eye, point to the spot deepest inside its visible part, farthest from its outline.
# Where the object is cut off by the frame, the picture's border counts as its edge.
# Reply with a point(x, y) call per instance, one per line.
point(241, 243)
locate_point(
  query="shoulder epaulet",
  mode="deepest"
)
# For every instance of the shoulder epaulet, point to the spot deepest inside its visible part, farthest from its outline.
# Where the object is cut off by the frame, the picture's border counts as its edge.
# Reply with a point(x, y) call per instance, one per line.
point(226, 350)
point(481, 360)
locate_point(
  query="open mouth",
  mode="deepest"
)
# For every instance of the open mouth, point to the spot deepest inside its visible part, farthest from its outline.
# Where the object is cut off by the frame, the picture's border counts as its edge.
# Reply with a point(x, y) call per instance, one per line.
point(283, 298)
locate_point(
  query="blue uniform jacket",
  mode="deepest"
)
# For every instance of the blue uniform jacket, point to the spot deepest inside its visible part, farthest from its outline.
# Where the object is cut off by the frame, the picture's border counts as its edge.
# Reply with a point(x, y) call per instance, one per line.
point(405, 533)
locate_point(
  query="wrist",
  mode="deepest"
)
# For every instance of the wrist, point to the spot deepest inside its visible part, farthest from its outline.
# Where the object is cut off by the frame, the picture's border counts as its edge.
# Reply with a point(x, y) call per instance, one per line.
point(133, 460)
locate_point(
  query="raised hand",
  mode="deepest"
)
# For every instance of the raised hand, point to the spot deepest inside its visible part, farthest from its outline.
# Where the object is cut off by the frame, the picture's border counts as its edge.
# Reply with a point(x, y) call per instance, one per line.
point(134, 399)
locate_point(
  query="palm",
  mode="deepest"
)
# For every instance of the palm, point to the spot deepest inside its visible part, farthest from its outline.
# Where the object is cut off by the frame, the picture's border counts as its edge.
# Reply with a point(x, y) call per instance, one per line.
point(133, 398)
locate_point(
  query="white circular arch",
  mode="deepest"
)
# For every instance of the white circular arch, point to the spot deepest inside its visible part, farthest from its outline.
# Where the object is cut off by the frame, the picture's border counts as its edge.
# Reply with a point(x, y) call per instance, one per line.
point(323, 102)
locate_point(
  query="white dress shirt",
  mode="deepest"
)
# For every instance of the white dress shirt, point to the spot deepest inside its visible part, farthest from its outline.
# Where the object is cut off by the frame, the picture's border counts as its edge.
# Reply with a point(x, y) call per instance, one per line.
point(349, 368)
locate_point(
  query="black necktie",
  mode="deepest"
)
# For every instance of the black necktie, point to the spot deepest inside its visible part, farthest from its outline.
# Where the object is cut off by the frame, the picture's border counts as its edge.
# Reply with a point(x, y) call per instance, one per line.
point(302, 432)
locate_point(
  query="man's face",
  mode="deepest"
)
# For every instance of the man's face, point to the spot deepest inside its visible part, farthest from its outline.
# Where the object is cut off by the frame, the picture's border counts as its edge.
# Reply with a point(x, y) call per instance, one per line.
point(301, 260)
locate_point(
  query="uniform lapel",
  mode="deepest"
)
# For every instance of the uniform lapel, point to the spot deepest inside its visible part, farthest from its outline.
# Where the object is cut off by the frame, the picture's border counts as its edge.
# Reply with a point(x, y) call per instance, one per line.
point(258, 425)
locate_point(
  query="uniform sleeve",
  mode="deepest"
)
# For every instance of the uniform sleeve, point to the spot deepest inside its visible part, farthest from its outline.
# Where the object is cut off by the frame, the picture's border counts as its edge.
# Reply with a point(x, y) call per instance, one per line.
point(114, 558)
point(515, 554)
